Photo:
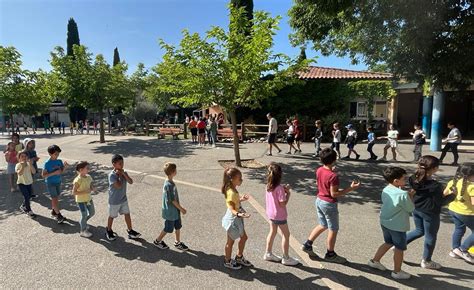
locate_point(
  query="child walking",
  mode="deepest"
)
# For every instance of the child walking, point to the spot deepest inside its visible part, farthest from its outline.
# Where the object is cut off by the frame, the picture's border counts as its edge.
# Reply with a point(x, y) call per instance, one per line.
point(428, 199)
point(392, 143)
point(397, 205)
point(25, 170)
point(171, 210)
point(318, 136)
point(351, 140)
point(118, 202)
point(326, 206)
point(336, 139)
point(233, 219)
point(11, 159)
point(371, 143)
point(81, 189)
point(298, 135)
point(29, 145)
point(277, 197)
point(290, 138)
point(418, 139)
point(462, 211)
point(52, 170)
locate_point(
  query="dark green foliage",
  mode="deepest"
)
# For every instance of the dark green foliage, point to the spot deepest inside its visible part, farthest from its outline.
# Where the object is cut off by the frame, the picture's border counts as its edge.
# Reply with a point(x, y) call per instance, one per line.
point(72, 36)
point(116, 57)
point(248, 4)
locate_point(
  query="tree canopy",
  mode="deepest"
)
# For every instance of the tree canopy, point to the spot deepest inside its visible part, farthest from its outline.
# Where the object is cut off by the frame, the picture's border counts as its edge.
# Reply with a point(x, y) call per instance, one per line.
point(416, 39)
point(202, 71)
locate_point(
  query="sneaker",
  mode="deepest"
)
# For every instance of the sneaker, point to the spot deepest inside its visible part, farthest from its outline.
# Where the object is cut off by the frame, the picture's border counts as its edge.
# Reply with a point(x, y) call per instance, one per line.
point(86, 234)
point(110, 235)
point(33, 196)
point(272, 258)
point(279, 150)
point(269, 154)
point(376, 265)
point(160, 245)
point(453, 255)
point(53, 213)
point(463, 255)
point(232, 264)
point(242, 261)
point(383, 159)
point(430, 265)
point(31, 214)
point(309, 250)
point(289, 152)
point(23, 209)
point(314, 155)
point(454, 164)
point(402, 275)
point(290, 261)
point(60, 218)
point(357, 157)
point(181, 246)
point(133, 234)
point(335, 259)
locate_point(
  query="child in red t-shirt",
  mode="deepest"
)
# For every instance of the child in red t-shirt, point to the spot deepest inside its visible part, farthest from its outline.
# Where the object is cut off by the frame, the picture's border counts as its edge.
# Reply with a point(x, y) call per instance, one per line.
point(326, 205)
point(201, 126)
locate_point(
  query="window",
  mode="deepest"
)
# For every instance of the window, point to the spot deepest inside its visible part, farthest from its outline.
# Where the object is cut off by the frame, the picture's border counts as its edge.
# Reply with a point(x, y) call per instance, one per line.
point(380, 109)
point(361, 109)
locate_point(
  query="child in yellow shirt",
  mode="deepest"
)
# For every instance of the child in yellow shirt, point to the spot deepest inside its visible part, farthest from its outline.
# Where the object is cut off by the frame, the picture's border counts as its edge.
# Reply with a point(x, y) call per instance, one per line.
point(82, 188)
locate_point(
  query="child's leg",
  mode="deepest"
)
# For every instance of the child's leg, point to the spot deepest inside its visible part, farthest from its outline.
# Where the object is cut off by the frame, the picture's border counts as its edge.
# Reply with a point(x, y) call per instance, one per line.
point(318, 230)
point(385, 150)
point(271, 237)
point(381, 251)
point(161, 236)
point(90, 209)
point(331, 241)
point(11, 181)
point(431, 224)
point(128, 221)
point(177, 234)
point(242, 241)
point(55, 204)
point(394, 153)
point(110, 221)
point(83, 221)
point(285, 242)
point(459, 230)
point(419, 230)
point(397, 260)
point(228, 248)
point(276, 146)
point(26, 195)
point(469, 240)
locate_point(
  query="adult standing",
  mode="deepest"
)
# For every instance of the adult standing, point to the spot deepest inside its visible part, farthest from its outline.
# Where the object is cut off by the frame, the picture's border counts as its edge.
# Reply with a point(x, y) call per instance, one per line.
point(452, 141)
point(272, 131)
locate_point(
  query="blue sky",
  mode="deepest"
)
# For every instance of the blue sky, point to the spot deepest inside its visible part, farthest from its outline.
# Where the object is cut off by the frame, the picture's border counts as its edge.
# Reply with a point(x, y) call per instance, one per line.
point(35, 27)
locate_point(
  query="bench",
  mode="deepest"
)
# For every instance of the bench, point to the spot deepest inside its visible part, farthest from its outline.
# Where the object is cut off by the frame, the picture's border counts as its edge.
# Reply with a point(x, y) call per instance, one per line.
point(162, 132)
point(227, 133)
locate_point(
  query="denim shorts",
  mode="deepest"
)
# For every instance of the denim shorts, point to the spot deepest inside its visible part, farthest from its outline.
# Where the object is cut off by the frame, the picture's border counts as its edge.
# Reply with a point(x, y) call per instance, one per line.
point(172, 225)
point(280, 222)
point(116, 209)
point(328, 214)
point(395, 238)
point(54, 189)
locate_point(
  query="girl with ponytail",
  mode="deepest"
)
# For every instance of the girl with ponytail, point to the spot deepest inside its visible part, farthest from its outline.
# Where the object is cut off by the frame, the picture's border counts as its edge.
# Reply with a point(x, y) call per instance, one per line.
point(462, 211)
point(429, 198)
point(233, 219)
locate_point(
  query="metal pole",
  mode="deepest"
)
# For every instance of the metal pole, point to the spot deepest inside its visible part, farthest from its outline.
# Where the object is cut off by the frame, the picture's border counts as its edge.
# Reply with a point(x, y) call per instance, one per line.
point(437, 119)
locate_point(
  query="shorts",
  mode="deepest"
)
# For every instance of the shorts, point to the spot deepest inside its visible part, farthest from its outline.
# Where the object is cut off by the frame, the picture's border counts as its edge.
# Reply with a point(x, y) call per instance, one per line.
point(202, 131)
point(172, 225)
point(335, 145)
point(194, 131)
point(351, 145)
point(391, 143)
point(272, 138)
point(290, 139)
point(11, 168)
point(116, 209)
point(328, 214)
point(395, 238)
point(54, 189)
point(281, 222)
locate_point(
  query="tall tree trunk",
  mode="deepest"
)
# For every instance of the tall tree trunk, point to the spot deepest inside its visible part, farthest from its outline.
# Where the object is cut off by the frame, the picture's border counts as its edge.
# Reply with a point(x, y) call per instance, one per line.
point(102, 129)
point(233, 120)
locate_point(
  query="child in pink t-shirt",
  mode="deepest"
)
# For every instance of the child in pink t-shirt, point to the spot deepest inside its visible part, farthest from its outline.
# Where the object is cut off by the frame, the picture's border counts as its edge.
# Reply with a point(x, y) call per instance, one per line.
point(277, 197)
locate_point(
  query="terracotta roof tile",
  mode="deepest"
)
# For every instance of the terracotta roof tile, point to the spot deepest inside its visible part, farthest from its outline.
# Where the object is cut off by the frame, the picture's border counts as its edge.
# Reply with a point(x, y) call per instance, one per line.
point(317, 72)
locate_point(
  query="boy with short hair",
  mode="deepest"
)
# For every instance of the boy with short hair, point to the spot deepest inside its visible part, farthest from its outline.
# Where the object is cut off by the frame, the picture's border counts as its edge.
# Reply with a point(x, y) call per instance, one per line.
point(371, 143)
point(418, 139)
point(318, 135)
point(326, 205)
point(336, 139)
point(52, 170)
point(171, 209)
point(397, 205)
point(118, 203)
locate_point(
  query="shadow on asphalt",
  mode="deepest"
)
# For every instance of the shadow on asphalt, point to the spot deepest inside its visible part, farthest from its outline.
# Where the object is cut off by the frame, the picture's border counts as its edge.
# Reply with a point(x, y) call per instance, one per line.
point(10, 202)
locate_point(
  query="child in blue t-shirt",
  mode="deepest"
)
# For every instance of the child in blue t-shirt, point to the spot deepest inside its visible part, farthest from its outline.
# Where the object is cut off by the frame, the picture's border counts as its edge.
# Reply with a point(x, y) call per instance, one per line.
point(52, 170)
point(171, 210)
point(371, 143)
point(397, 205)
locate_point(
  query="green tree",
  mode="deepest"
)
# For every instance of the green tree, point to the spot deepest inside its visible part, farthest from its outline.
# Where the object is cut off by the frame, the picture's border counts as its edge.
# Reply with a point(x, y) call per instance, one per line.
point(76, 111)
point(21, 91)
point(116, 56)
point(91, 82)
point(208, 74)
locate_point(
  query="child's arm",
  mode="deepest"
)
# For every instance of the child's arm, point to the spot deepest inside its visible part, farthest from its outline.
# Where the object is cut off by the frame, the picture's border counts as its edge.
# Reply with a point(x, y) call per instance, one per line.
point(117, 183)
point(65, 165)
point(20, 169)
point(45, 173)
point(127, 178)
point(336, 192)
point(178, 206)
point(76, 191)
point(32, 168)
point(286, 194)
point(244, 197)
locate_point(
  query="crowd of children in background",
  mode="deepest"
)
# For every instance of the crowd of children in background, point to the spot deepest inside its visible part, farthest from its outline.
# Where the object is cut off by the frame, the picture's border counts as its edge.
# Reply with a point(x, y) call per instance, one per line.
point(201, 128)
point(424, 200)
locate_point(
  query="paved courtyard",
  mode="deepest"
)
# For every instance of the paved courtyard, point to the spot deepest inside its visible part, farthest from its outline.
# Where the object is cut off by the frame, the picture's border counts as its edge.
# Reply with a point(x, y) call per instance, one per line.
point(40, 253)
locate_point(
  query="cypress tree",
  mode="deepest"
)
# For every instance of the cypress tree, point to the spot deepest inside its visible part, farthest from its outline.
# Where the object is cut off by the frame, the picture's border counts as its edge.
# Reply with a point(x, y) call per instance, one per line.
point(116, 56)
point(302, 55)
point(72, 36)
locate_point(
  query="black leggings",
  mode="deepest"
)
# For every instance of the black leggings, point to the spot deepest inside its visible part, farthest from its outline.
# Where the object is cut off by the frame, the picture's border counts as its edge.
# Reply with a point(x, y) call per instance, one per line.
point(454, 149)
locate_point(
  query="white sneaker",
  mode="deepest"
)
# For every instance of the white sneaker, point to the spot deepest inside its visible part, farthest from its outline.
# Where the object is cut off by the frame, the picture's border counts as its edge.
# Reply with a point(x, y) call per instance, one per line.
point(86, 234)
point(376, 265)
point(289, 261)
point(272, 258)
point(453, 255)
point(402, 275)
point(463, 255)
point(430, 265)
